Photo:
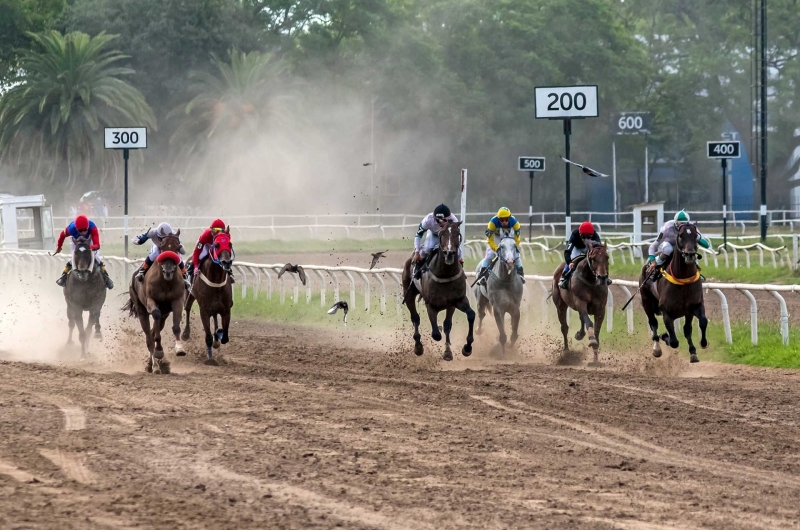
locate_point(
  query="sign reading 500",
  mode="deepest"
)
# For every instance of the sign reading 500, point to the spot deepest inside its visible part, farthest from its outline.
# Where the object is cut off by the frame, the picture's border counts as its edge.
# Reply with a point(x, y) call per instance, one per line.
point(559, 102)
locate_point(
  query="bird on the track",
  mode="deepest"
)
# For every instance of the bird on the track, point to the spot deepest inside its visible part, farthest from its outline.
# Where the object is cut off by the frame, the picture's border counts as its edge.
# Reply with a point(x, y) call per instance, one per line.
point(297, 269)
point(336, 307)
point(586, 169)
point(375, 257)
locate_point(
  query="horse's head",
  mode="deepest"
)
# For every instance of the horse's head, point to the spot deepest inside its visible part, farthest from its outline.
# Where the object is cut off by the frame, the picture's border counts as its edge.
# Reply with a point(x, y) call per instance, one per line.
point(597, 261)
point(449, 241)
point(507, 253)
point(83, 263)
point(169, 260)
point(687, 242)
point(222, 250)
point(171, 242)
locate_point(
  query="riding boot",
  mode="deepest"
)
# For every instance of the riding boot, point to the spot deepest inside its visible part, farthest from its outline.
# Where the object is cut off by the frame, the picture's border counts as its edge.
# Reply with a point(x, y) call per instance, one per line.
point(63, 279)
point(564, 283)
point(142, 271)
point(106, 277)
point(482, 276)
point(521, 273)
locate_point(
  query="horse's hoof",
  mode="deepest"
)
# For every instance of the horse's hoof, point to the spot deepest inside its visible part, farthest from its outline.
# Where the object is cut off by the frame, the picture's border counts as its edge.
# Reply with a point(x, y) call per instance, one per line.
point(674, 345)
point(466, 351)
point(656, 350)
point(215, 344)
point(579, 335)
point(185, 335)
point(665, 338)
point(98, 335)
point(211, 362)
point(593, 344)
point(179, 351)
point(163, 368)
point(148, 367)
point(158, 353)
point(448, 355)
point(693, 358)
point(704, 344)
point(436, 336)
point(478, 331)
point(419, 349)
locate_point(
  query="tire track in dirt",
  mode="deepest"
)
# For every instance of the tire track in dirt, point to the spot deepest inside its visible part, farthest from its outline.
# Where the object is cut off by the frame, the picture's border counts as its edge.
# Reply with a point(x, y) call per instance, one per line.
point(72, 465)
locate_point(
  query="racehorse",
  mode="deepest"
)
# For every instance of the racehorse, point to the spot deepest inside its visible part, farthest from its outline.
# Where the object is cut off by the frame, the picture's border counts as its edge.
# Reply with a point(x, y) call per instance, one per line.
point(214, 293)
point(443, 287)
point(677, 293)
point(503, 291)
point(162, 292)
point(587, 294)
point(85, 290)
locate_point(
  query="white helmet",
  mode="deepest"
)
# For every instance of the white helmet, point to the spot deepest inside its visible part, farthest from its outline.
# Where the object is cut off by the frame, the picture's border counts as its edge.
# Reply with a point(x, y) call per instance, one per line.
point(681, 217)
point(164, 229)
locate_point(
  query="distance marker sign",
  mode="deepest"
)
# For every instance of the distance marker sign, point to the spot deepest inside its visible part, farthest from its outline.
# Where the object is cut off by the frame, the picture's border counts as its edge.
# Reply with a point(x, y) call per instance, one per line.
point(724, 149)
point(126, 137)
point(631, 123)
point(531, 163)
point(559, 102)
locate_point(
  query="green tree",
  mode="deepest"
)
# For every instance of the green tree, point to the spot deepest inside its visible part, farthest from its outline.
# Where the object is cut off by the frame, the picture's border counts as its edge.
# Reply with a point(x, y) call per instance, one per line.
point(71, 87)
point(17, 19)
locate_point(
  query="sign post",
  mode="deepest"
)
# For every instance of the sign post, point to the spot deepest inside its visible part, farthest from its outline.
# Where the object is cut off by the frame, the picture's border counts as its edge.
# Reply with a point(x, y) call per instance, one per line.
point(565, 103)
point(632, 123)
point(722, 151)
point(464, 204)
point(531, 164)
point(126, 138)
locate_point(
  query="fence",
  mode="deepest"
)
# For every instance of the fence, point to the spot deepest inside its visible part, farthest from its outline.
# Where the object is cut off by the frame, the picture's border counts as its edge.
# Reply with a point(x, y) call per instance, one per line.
point(252, 277)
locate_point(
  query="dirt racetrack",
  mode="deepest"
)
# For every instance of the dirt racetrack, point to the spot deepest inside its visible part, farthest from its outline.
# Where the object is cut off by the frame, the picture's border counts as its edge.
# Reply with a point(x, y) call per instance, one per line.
point(299, 430)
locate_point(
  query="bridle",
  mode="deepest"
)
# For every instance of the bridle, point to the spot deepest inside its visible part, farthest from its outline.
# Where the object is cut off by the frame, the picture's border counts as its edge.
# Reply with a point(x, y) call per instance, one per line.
point(448, 227)
point(686, 255)
point(215, 258)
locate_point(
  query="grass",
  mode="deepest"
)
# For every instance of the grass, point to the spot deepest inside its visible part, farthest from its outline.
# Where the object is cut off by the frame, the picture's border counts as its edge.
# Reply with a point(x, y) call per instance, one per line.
point(770, 352)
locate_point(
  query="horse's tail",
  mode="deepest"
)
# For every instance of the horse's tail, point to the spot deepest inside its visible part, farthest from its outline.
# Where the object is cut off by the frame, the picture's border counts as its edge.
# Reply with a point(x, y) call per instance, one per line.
point(130, 307)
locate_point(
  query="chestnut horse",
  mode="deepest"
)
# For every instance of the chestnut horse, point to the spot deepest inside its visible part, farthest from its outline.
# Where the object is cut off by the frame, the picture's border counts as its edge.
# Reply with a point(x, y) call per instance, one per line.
point(214, 293)
point(162, 292)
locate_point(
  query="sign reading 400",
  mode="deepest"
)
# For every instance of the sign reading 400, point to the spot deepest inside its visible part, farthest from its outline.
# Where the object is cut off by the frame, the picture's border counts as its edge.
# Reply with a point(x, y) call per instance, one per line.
point(559, 102)
point(126, 137)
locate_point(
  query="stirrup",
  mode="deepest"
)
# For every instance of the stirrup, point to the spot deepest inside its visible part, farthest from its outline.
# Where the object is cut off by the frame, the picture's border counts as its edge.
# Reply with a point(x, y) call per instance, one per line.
point(564, 283)
point(62, 281)
point(140, 274)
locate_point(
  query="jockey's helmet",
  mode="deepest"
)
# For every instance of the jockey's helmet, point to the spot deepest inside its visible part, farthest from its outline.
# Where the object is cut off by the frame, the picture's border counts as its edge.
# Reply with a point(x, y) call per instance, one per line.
point(218, 225)
point(163, 229)
point(681, 217)
point(503, 213)
point(586, 229)
point(441, 212)
point(81, 223)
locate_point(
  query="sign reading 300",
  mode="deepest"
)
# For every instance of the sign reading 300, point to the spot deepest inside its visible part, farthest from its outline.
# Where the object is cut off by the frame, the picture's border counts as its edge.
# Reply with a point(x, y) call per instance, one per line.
point(560, 102)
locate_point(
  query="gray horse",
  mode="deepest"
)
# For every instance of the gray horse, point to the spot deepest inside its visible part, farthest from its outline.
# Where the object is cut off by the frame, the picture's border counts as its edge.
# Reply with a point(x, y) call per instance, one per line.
point(502, 292)
point(85, 290)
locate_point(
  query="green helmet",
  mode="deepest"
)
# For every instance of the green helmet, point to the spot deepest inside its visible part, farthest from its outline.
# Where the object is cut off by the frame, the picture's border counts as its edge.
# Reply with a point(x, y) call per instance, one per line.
point(681, 217)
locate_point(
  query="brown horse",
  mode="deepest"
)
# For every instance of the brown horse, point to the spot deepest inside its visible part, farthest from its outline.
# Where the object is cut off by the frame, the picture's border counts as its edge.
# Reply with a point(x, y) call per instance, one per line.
point(162, 292)
point(587, 294)
point(677, 293)
point(214, 293)
point(443, 288)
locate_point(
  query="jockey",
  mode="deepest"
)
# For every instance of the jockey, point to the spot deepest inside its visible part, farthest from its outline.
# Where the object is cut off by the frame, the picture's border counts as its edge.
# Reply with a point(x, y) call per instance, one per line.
point(82, 227)
point(577, 246)
point(156, 235)
point(501, 225)
point(434, 222)
point(203, 248)
point(661, 249)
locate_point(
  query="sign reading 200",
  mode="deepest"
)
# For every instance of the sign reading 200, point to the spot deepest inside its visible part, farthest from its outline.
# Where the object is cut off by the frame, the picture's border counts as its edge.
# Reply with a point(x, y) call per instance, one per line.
point(566, 102)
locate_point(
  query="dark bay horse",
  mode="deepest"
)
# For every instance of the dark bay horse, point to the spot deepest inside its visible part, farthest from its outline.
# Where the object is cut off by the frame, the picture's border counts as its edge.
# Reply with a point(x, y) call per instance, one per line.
point(214, 293)
point(678, 293)
point(162, 292)
point(587, 294)
point(503, 291)
point(85, 290)
point(443, 287)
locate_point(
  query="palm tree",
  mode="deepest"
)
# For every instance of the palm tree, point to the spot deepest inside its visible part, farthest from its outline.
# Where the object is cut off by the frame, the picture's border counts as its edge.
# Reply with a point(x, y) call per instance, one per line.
point(245, 95)
point(69, 89)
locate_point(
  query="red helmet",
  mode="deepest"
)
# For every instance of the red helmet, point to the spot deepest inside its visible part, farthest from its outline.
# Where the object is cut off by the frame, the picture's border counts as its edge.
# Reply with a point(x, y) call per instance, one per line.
point(586, 228)
point(218, 223)
point(82, 223)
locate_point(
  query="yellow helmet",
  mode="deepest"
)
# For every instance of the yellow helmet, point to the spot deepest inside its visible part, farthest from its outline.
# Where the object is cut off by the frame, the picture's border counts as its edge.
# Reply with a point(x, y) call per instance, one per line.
point(503, 212)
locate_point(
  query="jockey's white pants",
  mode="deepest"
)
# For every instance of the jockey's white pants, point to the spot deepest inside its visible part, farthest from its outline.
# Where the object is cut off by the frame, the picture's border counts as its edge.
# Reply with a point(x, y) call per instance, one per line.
point(666, 249)
point(154, 252)
point(72, 246)
point(431, 242)
point(490, 255)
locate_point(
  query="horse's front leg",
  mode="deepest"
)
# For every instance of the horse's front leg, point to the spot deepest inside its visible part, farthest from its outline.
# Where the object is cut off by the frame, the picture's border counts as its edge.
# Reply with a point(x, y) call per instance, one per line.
point(187, 331)
point(205, 319)
point(448, 326)
point(700, 313)
point(226, 322)
point(515, 316)
point(81, 332)
point(94, 317)
point(155, 312)
point(482, 303)
point(687, 332)
point(669, 337)
point(411, 304)
point(499, 318)
point(177, 316)
point(71, 320)
point(464, 306)
point(433, 316)
point(598, 327)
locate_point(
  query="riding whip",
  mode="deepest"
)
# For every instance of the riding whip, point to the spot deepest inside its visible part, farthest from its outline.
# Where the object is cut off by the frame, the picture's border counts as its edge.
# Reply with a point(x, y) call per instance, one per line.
point(650, 277)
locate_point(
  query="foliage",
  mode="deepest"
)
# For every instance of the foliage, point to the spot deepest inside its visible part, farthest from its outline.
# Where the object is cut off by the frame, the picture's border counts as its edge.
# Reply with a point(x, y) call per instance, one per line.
point(51, 121)
point(17, 19)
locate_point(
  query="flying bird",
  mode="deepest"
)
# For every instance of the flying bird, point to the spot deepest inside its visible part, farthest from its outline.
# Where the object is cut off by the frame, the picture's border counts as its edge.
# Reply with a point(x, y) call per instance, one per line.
point(339, 305)
point(586, 169)
point(375, 257)
point(296, 269)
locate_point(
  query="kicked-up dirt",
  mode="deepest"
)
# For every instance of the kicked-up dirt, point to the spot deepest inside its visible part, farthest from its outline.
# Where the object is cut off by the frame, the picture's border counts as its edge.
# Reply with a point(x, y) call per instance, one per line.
point(302, 428)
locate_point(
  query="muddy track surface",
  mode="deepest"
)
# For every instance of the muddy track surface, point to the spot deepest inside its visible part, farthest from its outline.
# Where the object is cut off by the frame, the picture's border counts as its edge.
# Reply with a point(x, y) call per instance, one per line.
point(298, 430)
